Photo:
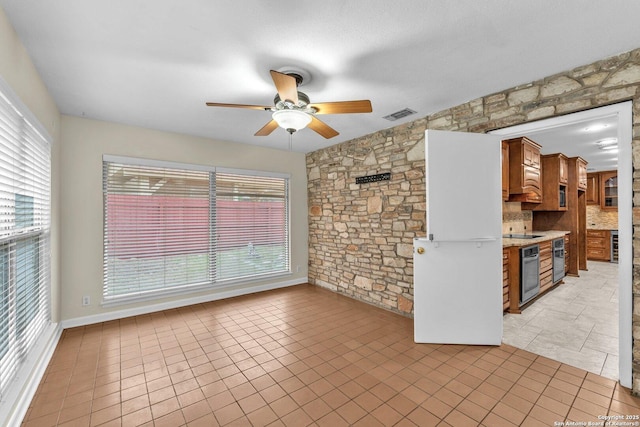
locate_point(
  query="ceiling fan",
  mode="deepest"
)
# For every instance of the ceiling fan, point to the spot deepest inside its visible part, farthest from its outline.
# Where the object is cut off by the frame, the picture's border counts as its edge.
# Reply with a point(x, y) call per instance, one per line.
point(293, 111)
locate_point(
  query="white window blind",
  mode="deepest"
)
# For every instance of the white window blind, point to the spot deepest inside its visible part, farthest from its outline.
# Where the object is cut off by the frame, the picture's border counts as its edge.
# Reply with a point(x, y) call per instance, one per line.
point(156, 229)
point(251, 225)
point(171, 228)
point(25, 170)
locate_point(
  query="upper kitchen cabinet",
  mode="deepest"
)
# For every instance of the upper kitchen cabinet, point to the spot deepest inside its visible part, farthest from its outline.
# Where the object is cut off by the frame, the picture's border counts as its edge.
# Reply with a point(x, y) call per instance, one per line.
point(582, 174)
point(525, 183)
point(593, 188)
point(563, 168)
point(602, 189)
point(505, 171)
point(609, 190)
point(573, 219)
point(555, 176)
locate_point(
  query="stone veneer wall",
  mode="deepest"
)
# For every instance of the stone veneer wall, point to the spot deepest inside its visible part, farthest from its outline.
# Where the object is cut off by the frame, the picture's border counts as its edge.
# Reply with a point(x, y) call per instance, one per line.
point(361, 235)
point(360, 240)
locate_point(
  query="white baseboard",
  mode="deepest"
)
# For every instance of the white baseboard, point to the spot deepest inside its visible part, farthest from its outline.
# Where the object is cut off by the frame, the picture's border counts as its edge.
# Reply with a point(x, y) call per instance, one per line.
point(16, 401)
point(218, 295)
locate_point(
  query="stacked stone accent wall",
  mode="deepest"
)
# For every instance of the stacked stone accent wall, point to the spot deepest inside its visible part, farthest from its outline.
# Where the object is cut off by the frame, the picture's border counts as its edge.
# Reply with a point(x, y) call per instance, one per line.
point(360, 241)
point(361, 235)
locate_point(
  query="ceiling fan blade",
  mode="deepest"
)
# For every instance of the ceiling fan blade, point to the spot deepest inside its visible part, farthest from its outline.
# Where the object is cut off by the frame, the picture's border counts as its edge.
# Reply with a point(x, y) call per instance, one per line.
point(267, 129)
point(251, 107)
point(286, 85)
point(343, 107)
point(322, 128)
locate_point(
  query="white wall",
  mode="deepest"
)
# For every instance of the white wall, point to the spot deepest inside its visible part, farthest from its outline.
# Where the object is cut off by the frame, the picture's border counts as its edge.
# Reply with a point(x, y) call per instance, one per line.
point(84, 143)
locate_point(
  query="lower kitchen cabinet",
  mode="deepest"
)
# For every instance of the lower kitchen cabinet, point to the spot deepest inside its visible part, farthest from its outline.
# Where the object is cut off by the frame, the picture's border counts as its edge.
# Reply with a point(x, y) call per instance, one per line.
point(567, 254)
point(599, 245)
point(505, 279)
point(511, 272)
point(546, 266)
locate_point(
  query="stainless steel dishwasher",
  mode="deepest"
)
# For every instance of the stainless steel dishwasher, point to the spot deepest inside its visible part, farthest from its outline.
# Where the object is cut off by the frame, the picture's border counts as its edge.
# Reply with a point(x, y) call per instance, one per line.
point(529, 273)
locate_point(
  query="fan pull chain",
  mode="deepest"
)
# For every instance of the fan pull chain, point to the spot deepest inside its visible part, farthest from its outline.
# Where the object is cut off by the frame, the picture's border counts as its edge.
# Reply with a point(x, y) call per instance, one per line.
point(290, 141)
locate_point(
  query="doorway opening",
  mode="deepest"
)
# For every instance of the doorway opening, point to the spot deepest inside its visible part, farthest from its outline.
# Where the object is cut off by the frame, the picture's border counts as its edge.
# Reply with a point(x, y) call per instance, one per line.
point(576, 135)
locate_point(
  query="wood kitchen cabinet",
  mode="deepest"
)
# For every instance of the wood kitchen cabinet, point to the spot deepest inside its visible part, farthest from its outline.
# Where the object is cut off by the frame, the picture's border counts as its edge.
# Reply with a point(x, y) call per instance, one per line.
point(525, 183)
point(563, 168)
point(546, 266)
point(574, 219)
point(505, 171)
point(567, 254)
point(511, 272)
point(602, 189)
point(511, 255)
point(598, 245)
point(555, 176)
point(609, 190)
point(505, 279)
point(582, 174)
point(593, 188)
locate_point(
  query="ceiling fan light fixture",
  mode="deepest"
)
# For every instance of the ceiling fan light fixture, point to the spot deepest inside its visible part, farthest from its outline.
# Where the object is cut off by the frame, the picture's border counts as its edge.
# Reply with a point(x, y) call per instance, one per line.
point(291, 119)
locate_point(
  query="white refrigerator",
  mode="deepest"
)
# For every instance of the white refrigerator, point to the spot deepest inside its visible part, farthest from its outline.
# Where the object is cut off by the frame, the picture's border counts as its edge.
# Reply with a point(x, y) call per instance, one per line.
point(458, 266)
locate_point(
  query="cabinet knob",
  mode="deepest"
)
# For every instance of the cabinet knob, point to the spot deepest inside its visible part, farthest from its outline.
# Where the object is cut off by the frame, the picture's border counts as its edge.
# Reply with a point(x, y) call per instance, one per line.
point(420, 250)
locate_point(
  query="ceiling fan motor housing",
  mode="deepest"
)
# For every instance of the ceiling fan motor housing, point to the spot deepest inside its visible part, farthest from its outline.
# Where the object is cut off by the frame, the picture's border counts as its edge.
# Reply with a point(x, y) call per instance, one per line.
point(303, 101)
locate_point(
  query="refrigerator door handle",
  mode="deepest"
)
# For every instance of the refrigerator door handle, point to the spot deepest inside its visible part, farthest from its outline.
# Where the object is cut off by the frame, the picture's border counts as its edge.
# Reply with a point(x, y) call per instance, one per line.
point(477, 240)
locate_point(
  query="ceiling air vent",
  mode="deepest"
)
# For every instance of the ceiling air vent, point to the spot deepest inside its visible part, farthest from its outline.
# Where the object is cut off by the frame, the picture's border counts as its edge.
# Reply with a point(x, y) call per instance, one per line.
point(399, 114)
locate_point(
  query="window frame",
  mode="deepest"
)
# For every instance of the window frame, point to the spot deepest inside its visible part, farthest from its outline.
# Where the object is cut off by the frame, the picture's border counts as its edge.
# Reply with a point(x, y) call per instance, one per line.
point(213, 283)
point(26, 147)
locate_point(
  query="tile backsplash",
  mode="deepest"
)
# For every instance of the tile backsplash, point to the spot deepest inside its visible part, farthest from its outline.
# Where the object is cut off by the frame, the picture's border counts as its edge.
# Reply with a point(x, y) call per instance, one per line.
point(514, 219)
point(601, 220)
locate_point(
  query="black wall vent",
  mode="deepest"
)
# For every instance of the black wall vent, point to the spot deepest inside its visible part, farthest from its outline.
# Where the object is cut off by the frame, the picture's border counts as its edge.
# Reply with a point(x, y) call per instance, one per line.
point(399, 114)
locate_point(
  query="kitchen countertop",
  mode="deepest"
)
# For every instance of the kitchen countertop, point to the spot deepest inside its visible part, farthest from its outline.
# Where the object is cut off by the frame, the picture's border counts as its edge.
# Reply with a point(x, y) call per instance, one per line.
point(546, 235)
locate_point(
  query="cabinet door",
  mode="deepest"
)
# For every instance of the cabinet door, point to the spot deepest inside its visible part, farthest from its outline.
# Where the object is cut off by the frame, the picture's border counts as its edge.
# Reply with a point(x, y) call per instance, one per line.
point(597, 254)
point(609, 190)
point(596, 242)
point(563, 167)
point(505, 171)
point(598, 245)
point(593, 188)
point(531, 180)
point(505, 279)
point(524, 171)
point(567, 254)
point(531, 155)
point(582, 175)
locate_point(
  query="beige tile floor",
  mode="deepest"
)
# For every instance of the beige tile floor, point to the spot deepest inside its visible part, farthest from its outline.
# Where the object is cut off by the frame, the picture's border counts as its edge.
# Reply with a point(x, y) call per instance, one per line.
point(576, 323)
point(303, 356)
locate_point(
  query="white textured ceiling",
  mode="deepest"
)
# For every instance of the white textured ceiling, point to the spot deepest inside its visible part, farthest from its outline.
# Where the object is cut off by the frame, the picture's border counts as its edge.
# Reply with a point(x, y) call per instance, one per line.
point(154, 63)
point(581, 139)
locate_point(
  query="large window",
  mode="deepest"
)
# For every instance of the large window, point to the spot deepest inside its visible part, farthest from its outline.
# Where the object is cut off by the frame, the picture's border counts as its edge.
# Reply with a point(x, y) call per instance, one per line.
point(25, 170)
point(169, 227)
